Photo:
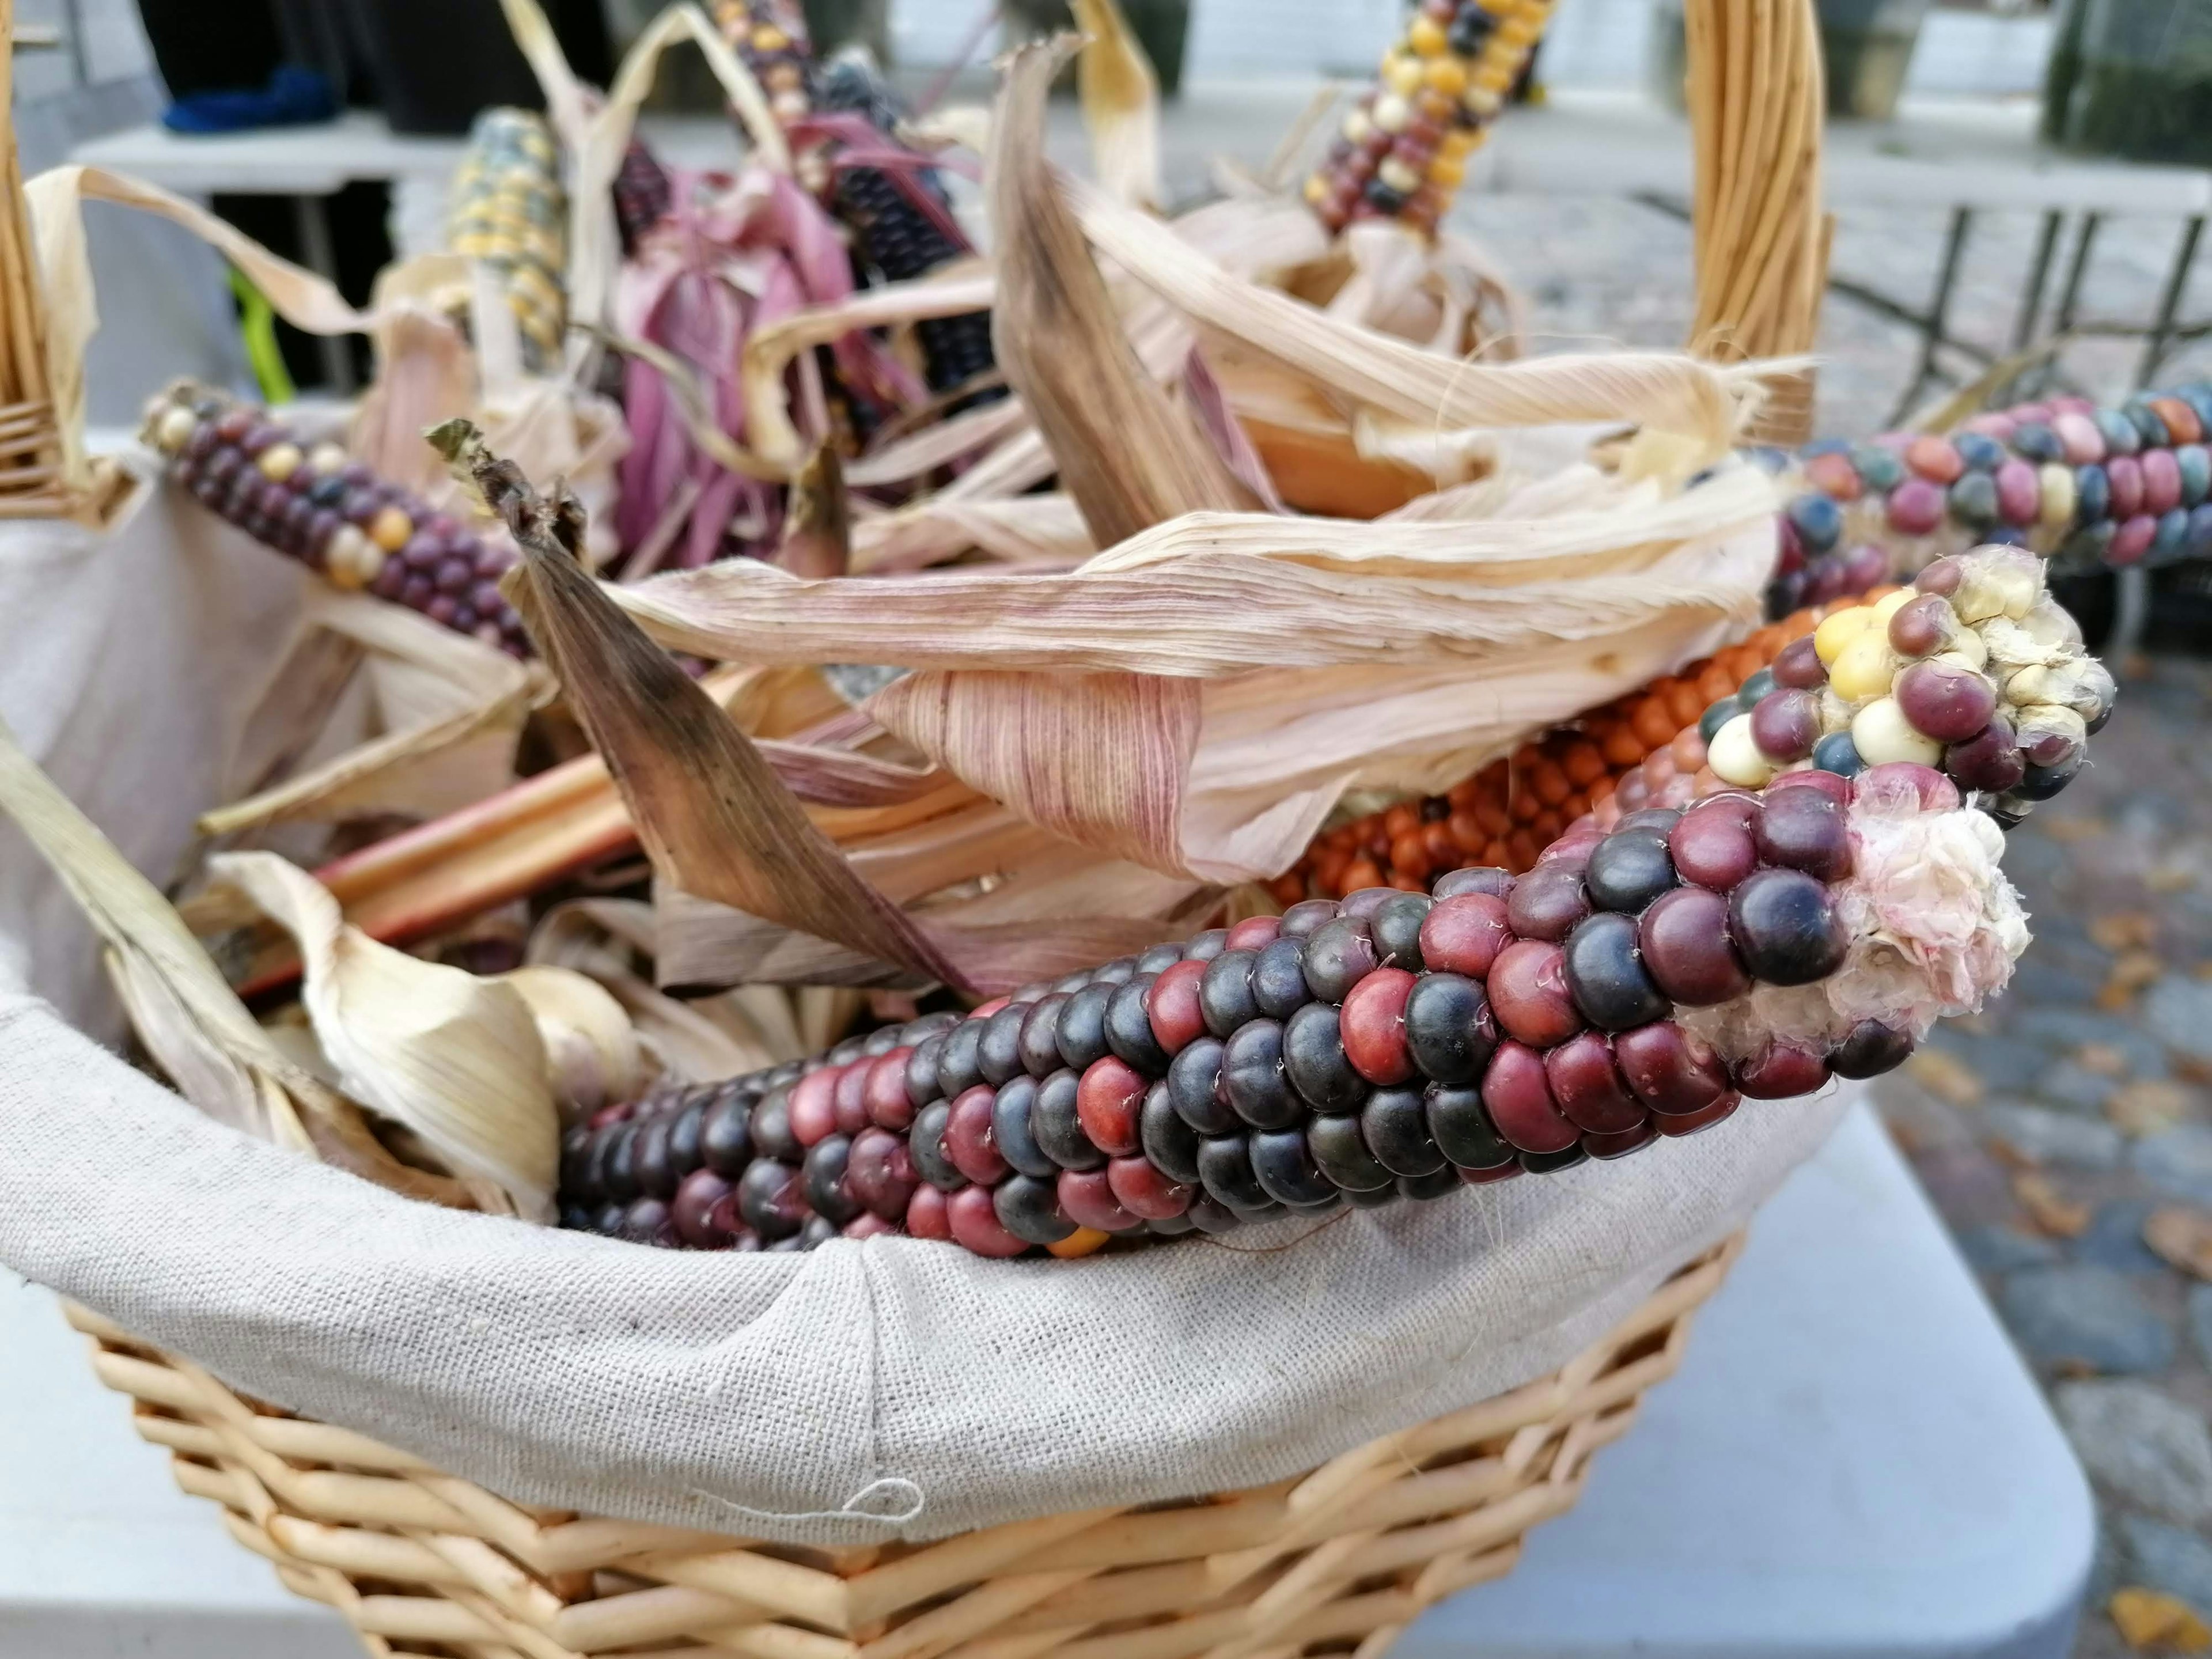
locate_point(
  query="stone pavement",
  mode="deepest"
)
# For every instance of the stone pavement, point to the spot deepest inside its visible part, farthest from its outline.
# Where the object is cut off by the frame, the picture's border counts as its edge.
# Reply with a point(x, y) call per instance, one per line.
point(2066, 1131)
point(2057, 1128)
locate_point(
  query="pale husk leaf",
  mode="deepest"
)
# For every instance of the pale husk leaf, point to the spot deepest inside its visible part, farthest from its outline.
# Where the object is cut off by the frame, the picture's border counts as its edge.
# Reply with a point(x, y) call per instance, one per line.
point(591, 1052)
point(455, 1059)
point(190, 1017)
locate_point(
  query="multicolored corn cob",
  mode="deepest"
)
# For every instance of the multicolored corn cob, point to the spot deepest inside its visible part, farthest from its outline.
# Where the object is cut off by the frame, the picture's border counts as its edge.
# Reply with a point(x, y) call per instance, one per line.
point(772, 37)
point(1404, 149)
point(1635, 985)
point(1696, 939)
point(1975, 671)
point(2086, 485)
point(508, 210)
point(314, 503)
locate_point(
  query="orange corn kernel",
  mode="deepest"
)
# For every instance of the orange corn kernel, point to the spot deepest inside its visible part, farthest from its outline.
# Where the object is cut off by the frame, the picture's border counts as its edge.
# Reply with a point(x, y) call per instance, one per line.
point(1583, 762)
point(1652, 725)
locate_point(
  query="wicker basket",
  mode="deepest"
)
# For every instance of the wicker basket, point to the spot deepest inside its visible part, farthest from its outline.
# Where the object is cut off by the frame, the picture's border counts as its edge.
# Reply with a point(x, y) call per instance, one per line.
point(1339, 1560)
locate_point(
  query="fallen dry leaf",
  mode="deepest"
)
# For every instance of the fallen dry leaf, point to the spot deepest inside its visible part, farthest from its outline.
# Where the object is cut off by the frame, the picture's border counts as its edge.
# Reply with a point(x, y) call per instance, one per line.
point(2152, 1618)
point(2048, 1208)
point(2171, 878)
point(2183, 1236)
point(2101, 1058)
point(2146, 1108)
point(1945, 1076)
point(2071, 828)
point(2129, 975)
point(2124, 930)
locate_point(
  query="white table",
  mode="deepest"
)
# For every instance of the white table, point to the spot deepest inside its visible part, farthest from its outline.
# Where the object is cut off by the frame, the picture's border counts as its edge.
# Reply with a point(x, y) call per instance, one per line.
point(1852, 1461)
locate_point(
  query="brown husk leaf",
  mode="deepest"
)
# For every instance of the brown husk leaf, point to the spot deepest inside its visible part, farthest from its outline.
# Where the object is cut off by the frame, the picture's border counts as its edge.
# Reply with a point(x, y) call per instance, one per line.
point(1129, 457)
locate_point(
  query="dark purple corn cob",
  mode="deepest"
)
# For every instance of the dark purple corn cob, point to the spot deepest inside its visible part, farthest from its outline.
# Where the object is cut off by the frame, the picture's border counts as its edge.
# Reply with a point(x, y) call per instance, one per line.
point(642, 192)
point(896, 239)
point(2073, 482)
point(1393, 1046)
point(314, 503)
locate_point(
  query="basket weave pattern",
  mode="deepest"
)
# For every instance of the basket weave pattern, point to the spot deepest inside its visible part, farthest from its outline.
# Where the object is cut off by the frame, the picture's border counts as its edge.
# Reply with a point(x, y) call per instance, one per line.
point(1339, 1560)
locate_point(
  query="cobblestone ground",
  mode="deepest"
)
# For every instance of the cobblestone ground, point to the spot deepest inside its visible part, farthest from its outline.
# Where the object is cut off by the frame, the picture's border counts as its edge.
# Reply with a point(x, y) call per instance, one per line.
point(2065, 1134)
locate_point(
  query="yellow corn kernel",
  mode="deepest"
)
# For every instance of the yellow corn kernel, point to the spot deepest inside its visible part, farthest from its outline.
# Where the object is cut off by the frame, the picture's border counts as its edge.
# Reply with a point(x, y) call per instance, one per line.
point(1082, 1241)
point(1447, 172)
point(1447, 75)
point(1426, 36)
point(1403, 76)
point(1890, 603)
point(1867, 668)
point(1830, 638)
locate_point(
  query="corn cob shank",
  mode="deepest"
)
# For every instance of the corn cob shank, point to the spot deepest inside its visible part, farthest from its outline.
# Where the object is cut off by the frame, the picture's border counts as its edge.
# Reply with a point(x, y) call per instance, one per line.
point(508, 210)
point(1404, 149)
point(1696, 939)
point(314, 503)
point(2111, 486)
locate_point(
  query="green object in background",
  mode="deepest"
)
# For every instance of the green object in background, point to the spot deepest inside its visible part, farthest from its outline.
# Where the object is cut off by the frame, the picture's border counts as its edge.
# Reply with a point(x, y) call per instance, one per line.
point(2143, 86)
point(2064, 67)
point(257, 328)
point(1869, 47)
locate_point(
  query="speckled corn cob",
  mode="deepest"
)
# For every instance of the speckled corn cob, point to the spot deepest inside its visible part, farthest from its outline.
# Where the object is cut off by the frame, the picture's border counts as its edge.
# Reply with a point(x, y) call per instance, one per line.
point(509, 211)
point(1696, 939)
point(1404, 149)
point(1396, 1045)
point(314, 503)
point(2073, 482)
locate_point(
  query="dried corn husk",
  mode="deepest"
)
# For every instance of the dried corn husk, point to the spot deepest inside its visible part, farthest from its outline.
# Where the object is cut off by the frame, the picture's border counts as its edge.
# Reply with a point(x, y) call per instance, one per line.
point(454, 1059)
point(193, 1023)
point(592, 1054)
point(445, 711)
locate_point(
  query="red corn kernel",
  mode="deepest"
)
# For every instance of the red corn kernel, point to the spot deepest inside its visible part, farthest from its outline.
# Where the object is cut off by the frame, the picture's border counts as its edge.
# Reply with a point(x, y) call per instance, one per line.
point(889, 1105)
point(868, 1224)
point(814, 1105)
point(1143, 1190)
point(850, 1097)
point(1588, 1086)
point(990, 1008)
point(969, 1140)
point(1107, 1101)
point(1253, 933)
point(1373, 1026)
point(1464, 935)
point(1688, 1123)
point(1782, 1071)
point(926, 1215)
point(1672, 1072)
point(1172, 1004)
point(1528, 987)
point(1519, 1097)
point(1484, 1177)
point(1621, 1145)
point(976, 1225)
point(1089, 1201)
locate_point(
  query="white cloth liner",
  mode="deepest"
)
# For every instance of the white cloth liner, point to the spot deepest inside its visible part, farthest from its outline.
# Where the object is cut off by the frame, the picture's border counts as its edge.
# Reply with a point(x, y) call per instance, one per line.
point(863, 1391)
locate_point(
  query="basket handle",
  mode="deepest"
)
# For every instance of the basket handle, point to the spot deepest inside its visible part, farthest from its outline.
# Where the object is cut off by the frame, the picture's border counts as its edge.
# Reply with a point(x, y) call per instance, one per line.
point(1758, 101)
